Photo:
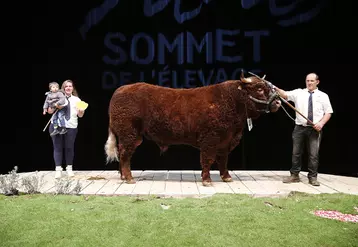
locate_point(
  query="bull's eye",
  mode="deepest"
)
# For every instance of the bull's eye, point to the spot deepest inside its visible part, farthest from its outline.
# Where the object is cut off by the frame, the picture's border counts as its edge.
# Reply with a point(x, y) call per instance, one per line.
point(260, 90)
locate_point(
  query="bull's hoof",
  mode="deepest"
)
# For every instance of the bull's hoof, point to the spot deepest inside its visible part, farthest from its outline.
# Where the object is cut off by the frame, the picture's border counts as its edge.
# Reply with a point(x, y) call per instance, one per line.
point(226, 179)
point(130, 181)
point(207, 183)
point(122, 176)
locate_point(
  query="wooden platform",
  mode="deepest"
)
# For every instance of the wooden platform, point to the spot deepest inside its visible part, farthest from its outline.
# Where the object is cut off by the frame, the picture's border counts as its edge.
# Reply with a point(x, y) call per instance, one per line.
point(188, 183)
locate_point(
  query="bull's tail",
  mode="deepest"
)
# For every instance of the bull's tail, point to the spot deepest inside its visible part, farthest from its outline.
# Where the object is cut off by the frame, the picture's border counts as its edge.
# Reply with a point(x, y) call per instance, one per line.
point(111, 147)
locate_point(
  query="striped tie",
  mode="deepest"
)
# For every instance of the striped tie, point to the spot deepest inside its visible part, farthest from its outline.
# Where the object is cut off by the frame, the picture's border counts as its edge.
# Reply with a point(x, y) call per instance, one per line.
point(310, 108)
point(68, 109)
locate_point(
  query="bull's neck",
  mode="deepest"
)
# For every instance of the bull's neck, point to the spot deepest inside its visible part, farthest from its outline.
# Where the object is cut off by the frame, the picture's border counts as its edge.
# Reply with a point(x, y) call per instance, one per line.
point(245, 106)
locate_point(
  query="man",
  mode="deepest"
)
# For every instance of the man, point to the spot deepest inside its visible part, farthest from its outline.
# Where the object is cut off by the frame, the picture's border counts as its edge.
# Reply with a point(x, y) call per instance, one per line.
point(316, 106)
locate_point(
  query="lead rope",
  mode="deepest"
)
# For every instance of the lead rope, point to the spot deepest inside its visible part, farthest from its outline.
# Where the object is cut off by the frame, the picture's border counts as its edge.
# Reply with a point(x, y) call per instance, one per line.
point(287, 112)
point(319, 133)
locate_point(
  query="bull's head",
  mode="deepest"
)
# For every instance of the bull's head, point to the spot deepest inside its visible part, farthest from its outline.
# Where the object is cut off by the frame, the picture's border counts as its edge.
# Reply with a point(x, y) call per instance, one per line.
point(261, 93)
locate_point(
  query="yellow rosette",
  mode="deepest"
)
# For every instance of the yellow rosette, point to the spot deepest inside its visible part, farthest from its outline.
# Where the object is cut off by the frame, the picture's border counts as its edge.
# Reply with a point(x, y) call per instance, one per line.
point(81, 105)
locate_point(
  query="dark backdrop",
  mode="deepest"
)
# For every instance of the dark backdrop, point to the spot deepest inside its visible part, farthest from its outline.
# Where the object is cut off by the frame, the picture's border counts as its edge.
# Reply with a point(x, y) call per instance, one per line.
point(313, 36)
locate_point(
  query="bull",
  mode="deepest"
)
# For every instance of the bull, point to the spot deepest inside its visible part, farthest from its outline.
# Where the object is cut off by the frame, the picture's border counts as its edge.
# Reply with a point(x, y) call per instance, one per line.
point(210, 118)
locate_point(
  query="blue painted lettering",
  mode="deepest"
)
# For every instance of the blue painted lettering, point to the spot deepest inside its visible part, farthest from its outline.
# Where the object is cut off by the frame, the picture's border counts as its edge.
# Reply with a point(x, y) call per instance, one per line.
point(220, 43)
point(174, 79)
point(95, 15)
point(282, 10)
point(109, 80)
point(188, 78)
point(182, 17)
point(177, 43)
point(205, 82)
point(256, 42)
point(143, 50)
point(108, 42)
point(221, 76)
point(151, 8)
point(163, 77)
point(134, 49)
point(248, 4)
point(207, 40)
point(125, 77)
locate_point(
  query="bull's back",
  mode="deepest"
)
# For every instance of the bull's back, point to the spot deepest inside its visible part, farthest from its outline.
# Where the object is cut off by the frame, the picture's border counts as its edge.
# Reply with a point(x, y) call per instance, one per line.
point(156, 99)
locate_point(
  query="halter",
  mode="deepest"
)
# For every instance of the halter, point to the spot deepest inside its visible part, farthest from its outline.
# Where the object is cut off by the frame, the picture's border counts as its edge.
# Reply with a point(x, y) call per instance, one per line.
point(273, 96)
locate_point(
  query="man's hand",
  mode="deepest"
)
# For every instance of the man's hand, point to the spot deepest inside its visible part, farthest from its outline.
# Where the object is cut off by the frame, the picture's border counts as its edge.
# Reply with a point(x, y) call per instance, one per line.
point(318, 126)
point(281, 92)
point(44, 112)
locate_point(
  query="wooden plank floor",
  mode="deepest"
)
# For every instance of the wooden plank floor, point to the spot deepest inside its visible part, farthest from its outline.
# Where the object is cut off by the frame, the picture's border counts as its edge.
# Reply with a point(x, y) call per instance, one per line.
point(188, 183)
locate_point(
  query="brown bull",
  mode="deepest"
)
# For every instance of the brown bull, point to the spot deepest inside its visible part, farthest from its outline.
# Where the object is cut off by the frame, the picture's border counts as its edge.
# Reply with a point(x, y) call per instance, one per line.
point(210, 118)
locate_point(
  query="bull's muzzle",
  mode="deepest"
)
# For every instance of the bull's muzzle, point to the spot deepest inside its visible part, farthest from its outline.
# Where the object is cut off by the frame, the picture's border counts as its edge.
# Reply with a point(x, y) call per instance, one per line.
point(272, 101)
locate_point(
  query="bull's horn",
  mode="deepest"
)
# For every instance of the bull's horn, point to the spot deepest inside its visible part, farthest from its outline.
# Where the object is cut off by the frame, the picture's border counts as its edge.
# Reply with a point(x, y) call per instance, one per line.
point(263, 77)
point(243, 79)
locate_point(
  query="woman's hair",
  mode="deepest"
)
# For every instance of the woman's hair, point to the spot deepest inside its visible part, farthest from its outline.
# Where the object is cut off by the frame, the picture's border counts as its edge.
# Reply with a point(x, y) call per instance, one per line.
point(73, 85)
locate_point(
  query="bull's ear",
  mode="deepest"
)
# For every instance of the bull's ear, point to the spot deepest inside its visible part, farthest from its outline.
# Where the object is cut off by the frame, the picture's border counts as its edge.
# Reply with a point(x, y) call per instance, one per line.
point(241, 85)
point(243, 79)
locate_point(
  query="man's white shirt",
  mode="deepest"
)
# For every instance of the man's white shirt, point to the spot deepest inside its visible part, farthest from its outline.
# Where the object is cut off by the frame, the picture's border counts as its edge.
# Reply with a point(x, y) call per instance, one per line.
point(320, 101)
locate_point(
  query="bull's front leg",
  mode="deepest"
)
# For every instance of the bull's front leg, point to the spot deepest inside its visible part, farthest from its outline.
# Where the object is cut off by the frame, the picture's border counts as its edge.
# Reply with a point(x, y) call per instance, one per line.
point(221, 160)
point(207, 158)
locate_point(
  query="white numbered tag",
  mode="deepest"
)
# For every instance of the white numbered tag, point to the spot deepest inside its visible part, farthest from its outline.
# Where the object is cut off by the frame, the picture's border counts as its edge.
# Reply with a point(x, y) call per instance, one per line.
point(249, 123)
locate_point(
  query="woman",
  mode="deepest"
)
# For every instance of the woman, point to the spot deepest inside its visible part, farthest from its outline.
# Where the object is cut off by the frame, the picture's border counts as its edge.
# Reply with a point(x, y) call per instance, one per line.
point(65, 143)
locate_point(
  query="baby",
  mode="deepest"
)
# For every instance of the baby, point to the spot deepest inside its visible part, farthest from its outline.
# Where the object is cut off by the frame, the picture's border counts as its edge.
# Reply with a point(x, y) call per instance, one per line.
point(54, 98)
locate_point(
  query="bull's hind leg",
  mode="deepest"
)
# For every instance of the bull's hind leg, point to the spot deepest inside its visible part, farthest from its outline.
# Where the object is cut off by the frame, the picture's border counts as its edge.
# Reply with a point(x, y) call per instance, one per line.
point(120, 147)
point(127, 149)
point(221, 160)
point(207, 158)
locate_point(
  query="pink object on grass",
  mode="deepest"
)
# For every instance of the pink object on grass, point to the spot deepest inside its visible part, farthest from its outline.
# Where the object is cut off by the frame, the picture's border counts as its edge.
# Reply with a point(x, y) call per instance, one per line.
point(336, 215)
